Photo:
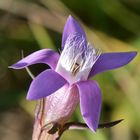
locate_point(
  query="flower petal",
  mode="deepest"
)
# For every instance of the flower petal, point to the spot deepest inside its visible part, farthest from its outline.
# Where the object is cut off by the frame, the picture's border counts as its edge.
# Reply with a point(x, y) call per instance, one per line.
point(46, 56)
point(71, 27)
point(45, 84)
point(90, 103)
point(109, 61)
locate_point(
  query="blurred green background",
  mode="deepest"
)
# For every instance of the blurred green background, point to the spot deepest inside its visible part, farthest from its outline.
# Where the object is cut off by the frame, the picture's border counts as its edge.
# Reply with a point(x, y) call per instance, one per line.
point(30, 25)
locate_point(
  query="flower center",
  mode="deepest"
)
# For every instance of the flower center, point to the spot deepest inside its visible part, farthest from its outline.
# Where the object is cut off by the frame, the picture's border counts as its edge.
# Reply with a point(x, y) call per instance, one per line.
point(77, 59)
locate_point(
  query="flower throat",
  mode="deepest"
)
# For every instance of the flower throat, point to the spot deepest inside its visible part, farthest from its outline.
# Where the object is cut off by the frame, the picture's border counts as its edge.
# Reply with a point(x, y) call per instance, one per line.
point(78, 57)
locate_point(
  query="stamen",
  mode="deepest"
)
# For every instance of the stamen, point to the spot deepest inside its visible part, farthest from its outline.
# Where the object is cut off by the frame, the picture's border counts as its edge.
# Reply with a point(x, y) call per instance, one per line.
point(75, 68)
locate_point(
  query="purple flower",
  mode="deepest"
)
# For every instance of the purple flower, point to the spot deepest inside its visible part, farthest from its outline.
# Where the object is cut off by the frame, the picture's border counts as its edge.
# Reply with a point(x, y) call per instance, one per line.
point(68, 80)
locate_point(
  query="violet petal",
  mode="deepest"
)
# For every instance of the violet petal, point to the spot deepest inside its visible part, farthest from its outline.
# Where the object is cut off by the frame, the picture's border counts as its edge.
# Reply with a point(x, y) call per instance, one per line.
point(109, 61)
point(90, 102)
point(71, 27)
point(45, 84)
point(46, 56)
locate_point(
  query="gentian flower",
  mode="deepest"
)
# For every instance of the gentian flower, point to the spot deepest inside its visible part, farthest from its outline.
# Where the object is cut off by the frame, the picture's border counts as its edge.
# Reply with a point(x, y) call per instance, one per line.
point(67, 82)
